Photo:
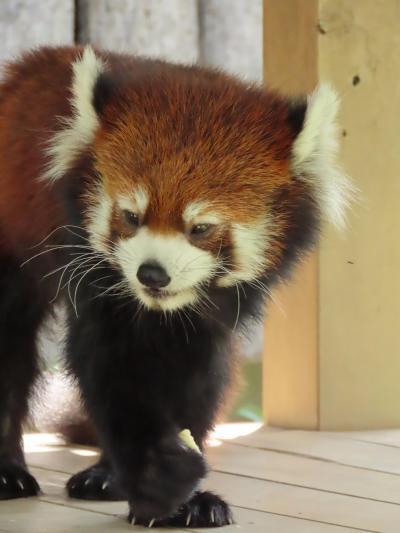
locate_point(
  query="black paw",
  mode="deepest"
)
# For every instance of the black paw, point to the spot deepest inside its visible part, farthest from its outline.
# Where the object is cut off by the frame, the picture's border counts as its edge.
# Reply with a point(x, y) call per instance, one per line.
point(205, 509)
point(16, 482)
point(94, 483)
point(170, 477)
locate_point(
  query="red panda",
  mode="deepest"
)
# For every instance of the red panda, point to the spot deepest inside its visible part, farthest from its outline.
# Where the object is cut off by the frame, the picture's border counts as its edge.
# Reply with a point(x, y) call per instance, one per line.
point(161, 202)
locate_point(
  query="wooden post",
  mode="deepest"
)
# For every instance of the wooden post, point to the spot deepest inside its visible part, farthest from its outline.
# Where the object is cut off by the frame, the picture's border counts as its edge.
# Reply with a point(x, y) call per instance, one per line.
point(290, 369)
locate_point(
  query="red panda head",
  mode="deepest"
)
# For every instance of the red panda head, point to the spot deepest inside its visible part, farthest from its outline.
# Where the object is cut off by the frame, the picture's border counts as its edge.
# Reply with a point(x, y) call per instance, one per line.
point(201, 180)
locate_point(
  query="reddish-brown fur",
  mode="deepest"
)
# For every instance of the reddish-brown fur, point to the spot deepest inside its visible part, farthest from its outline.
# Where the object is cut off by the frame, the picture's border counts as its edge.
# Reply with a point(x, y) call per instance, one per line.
point(28, 209)
point(187, 124)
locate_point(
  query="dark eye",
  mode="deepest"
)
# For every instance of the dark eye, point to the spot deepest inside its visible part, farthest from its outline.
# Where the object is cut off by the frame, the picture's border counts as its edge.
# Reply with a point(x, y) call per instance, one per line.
point(200, 229)
point(131, 218)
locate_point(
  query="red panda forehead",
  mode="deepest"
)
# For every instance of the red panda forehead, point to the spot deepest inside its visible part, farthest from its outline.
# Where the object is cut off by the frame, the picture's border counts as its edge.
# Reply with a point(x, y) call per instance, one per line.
point(238, 186)
point(221, 144)
point(200, 115)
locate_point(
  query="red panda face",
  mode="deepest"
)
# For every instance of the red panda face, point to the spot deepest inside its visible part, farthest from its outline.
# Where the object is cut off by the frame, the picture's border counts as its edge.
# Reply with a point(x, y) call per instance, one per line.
point(202, 181)
point(189, 198)
point(165, 269)
point(170, 258)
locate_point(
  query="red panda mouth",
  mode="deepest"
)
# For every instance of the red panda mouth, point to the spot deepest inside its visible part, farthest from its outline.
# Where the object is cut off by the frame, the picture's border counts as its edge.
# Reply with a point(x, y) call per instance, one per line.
point(160, 294)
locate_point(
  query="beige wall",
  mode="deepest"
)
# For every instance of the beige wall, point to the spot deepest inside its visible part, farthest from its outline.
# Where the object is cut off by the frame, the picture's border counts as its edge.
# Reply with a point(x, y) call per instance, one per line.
point(359, 273)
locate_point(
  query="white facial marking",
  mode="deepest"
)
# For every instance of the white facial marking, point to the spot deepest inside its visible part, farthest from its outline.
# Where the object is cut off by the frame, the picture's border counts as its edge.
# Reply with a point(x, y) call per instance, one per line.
point(200, 212)
point(79, 129)
point(186, 265)
point(137, 202)
point(124, 202)
point(250, 242)
point(99, 220)
point(314, 155)
point(141, 199)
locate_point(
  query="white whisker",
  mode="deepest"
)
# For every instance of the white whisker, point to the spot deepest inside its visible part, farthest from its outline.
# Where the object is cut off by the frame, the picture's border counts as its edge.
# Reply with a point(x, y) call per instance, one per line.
point(238, 307)
point(80, 281)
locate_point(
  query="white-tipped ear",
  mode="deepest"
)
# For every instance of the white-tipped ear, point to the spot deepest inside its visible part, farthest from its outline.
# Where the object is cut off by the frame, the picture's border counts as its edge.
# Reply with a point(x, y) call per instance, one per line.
point(86, 70)
point(314, 155)
point(79, 130)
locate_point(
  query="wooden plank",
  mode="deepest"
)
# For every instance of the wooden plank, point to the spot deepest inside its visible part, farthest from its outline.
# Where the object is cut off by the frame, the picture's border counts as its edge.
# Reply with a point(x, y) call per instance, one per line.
point(290, 375)
point(305, 472)
point(61, 459)
point(313, 505)
point(256, 522)
point(36, 516)
point(330, 447)
point(385, 437)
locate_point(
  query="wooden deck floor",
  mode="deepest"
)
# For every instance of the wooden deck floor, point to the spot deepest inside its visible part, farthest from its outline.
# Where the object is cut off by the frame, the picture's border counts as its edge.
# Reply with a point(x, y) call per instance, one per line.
point(277, 481)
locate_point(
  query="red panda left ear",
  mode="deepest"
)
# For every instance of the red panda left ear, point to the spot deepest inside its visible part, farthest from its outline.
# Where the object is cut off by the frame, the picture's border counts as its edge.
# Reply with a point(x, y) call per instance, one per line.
point(105, 87)
point(296, 114)
point(314, 153)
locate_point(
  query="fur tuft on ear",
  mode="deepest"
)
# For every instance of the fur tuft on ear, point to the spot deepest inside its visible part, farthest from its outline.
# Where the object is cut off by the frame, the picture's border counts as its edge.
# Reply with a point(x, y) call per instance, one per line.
point(296, 114)
point(79, 129)
point(314, 156)
point(105, 87)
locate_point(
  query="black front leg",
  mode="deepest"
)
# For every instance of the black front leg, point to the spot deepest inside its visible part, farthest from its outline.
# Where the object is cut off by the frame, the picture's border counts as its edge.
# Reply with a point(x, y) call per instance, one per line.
point(123, 385)
point(21, 313)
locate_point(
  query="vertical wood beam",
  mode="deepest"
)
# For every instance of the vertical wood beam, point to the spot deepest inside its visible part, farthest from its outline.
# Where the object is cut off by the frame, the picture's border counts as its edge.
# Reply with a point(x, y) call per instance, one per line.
point(290, 363)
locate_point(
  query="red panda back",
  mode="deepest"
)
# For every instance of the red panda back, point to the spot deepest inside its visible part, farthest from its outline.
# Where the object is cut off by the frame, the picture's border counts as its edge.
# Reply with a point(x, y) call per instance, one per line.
point(34, 95)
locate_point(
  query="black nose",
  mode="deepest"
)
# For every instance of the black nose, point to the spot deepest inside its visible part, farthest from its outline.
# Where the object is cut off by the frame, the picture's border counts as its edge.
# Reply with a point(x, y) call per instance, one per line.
point(153, 275)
